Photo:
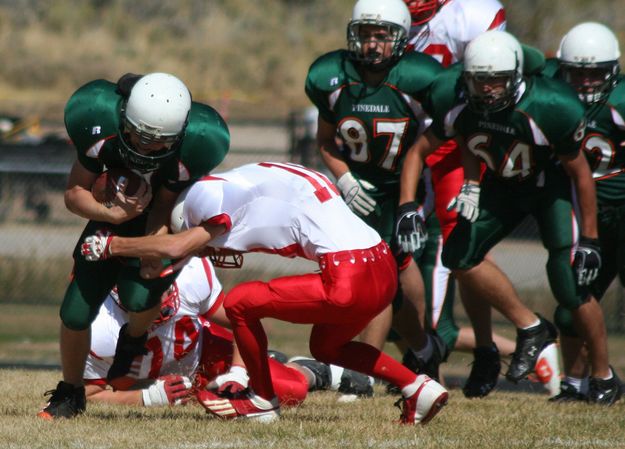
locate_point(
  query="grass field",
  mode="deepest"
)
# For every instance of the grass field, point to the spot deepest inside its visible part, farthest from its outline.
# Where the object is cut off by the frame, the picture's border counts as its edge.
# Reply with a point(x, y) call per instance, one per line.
point(511, 417)
point(502, 420)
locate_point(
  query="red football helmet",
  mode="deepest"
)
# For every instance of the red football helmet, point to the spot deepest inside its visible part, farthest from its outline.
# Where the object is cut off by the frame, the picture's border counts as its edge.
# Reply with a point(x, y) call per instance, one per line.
point(170, 303)
point(422, 11)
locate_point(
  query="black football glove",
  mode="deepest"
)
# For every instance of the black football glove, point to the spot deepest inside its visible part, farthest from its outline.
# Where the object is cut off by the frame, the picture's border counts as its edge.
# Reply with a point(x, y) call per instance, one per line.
point(587, 261)
point(410, 232)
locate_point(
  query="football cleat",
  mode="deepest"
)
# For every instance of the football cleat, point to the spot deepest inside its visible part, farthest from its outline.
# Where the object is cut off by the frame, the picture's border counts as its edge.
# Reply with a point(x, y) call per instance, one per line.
point(66, 401)
point(336, 378)
point(423, 404)
point(605, 391)
point(350, 382)
point(321, 372)
point(484, 372)
point(277, 355)
point(244, 405)
point(122, 374)
point(568, 393)
point(429, 367)
point(529, 344)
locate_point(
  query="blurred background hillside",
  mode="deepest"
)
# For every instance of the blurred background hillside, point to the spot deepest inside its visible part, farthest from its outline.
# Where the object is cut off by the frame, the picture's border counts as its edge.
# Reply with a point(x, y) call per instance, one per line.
point(248, 59)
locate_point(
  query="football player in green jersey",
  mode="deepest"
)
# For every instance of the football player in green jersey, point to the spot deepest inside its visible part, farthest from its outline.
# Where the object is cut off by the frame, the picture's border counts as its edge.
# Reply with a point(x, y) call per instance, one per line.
point(519, 126)
point(370, 97)
point(148, 124)
point(588, 61)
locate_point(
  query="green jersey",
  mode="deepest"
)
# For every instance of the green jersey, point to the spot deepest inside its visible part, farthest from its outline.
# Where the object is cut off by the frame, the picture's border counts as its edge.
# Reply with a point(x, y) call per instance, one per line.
point(92, 120)
point(377, 123)
point(603, 142)
point(519, 142)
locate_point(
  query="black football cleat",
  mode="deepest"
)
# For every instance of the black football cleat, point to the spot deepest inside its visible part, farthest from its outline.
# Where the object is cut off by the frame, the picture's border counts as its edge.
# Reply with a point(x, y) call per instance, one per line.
point(484, 373)
point(529, 343)
point(66, 401)
point(605, 391)
point(429, 367)
point(568, 393)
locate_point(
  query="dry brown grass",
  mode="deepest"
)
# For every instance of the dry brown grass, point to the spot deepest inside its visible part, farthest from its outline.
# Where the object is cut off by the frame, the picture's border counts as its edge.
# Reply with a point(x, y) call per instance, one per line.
point(505, 419)
point(502, 420)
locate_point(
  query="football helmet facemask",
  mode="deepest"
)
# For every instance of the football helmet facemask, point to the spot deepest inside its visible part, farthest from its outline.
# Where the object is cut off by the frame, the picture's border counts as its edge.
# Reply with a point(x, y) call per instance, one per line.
point(392, 16)
point(588, 58)
point(493, 71)
point(153, 121)
point(423, 11)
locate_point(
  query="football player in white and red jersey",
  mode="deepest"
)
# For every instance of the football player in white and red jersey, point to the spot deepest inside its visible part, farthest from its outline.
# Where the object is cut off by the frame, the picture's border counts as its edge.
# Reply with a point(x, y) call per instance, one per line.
point(442, 29)
point(289, 210)
point(185, 350)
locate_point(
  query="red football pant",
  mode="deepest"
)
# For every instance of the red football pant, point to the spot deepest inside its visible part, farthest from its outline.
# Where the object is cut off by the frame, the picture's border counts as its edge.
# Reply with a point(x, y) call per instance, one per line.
point(290, 385)
point(352, 288)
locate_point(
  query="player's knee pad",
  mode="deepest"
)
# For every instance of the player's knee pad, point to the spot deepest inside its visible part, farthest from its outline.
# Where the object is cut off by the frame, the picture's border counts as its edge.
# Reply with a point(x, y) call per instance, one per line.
point(75, 320)
point(563, 319)
point(138, 304)
point(562, 280)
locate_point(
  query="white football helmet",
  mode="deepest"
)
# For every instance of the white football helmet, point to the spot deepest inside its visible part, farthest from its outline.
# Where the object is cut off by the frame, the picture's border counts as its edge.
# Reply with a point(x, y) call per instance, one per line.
point(492, 56)
point(390, 14)
point(588, 57)
point(156, 111)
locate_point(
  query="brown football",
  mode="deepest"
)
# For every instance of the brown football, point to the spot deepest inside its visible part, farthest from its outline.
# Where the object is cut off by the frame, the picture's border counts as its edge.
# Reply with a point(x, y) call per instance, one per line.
point(124, 180)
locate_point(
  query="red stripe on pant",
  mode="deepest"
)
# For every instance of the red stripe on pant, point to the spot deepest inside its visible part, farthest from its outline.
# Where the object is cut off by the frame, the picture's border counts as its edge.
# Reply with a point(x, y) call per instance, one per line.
point(352, 288)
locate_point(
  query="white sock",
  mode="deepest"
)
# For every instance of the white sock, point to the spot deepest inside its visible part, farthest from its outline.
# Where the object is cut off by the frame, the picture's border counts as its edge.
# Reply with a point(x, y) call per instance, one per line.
point(575, 382)
point(534, 324)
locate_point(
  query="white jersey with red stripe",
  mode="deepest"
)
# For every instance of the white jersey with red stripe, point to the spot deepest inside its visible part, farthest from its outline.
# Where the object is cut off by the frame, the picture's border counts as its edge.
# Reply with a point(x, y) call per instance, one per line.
point(175, 346)
point(458, 22)
point(279, 208)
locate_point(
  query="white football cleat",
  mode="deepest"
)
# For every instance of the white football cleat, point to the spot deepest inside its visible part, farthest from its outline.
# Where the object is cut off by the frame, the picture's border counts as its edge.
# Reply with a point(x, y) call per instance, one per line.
point(422, 405)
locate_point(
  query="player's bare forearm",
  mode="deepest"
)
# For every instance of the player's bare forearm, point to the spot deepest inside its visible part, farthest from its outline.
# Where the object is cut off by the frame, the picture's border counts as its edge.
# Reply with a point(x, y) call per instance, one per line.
point(578, 170)
point(158, 219)
point(96, 393)
point(413, 165)
point(80, 201)
point(173, 246)
point(470, 164)
point(330, 154)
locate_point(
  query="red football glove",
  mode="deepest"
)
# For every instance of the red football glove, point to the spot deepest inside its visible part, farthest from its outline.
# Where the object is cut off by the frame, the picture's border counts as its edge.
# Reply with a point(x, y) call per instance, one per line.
point(97, 247)
point(168, 390)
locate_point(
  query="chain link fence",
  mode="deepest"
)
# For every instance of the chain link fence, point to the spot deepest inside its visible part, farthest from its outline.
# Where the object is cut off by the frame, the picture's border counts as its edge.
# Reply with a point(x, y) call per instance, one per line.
point(37, 233)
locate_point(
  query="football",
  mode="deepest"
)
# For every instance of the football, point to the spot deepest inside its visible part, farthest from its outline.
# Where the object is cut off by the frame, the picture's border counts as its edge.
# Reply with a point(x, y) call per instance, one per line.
point(124, 180)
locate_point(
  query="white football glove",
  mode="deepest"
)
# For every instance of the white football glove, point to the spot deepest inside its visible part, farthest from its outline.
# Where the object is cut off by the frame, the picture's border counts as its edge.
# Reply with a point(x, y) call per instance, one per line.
point(234, 381)
point(168, 390)
point(97, 247)
point(354, 192)
point(467, 202)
